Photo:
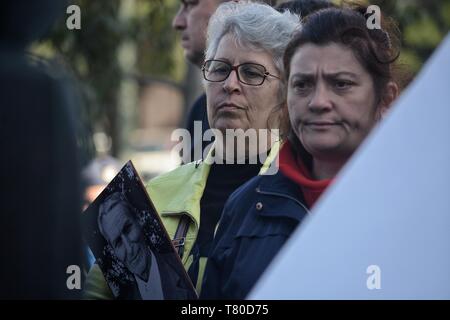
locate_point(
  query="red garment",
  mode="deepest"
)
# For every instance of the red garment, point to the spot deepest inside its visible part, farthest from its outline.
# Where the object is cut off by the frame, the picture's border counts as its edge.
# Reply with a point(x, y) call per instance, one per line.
point(292, 166)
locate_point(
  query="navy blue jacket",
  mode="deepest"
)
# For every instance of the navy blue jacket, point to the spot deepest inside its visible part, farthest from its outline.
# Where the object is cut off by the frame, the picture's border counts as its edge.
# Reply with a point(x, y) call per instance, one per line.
point(257, 220)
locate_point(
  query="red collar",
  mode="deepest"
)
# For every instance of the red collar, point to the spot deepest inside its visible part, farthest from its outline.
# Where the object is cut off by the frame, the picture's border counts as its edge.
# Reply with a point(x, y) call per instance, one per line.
point(293, 167)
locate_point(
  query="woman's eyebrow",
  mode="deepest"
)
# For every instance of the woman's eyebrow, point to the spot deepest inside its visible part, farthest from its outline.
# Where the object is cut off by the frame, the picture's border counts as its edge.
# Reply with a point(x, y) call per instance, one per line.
point(303, 76)
point(340, 74)
point(222, 60)
point(326, 74)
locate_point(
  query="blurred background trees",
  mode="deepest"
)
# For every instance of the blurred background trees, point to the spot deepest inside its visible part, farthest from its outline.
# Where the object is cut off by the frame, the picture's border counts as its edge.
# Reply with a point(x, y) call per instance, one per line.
point(423, 23)
point(130, 69)
point(121, 45)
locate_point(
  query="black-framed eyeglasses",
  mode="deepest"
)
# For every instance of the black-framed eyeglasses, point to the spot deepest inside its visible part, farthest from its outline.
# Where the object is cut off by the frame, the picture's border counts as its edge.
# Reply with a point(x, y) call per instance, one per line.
point(252, 74)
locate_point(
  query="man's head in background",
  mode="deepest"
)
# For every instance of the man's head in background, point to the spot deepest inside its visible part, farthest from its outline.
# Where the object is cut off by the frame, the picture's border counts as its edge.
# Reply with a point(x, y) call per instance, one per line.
point(191, 21)
point(304, 7)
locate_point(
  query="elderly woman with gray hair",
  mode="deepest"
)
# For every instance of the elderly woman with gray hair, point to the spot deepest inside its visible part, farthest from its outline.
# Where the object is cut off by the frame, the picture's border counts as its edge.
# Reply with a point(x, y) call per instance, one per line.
point(243, 80)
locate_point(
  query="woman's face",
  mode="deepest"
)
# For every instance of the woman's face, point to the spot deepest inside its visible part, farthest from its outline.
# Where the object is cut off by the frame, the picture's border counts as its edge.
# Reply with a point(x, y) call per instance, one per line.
point(234, 105)
point(331, 100)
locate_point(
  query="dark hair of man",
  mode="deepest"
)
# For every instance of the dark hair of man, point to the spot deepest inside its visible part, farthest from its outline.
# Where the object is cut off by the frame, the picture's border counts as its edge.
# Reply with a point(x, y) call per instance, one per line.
point(304, 7)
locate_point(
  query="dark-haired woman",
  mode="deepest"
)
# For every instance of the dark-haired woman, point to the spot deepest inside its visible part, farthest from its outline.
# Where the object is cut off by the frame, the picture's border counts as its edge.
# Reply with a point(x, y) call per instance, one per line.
point(340, 84)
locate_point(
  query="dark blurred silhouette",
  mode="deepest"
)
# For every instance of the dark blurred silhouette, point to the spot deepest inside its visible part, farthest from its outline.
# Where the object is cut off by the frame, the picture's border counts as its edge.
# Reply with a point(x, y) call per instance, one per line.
point(304, 7)
point(40, 193)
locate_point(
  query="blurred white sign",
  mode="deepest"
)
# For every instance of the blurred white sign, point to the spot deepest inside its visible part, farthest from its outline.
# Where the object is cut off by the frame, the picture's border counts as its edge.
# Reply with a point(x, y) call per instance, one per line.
point(382, 231)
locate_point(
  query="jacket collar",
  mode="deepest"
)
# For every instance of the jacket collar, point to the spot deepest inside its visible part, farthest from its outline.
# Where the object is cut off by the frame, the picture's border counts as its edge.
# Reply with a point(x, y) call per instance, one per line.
point(278, 185)
point(180, 190)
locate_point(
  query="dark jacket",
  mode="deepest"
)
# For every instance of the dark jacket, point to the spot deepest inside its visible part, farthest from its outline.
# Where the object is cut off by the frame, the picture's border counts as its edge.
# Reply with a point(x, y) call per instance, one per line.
point(40, 197)
point(198, 113)
point(257, 220)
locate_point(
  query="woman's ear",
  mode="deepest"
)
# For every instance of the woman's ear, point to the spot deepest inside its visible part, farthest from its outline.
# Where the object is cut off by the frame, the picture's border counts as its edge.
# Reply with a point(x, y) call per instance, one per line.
point(389, 95)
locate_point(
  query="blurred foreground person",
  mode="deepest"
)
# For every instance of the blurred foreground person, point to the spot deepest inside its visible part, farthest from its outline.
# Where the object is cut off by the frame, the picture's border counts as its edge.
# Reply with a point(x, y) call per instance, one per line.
point(39, 171)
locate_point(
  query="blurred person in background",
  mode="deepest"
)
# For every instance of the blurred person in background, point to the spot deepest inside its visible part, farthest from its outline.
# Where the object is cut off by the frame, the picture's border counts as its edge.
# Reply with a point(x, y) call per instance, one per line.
point(304, 7)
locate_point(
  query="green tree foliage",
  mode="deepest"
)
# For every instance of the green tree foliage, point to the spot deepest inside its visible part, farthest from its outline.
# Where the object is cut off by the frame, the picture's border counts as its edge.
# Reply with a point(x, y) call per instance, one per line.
point(155, 38)
point(91, 53)
point(423, 24)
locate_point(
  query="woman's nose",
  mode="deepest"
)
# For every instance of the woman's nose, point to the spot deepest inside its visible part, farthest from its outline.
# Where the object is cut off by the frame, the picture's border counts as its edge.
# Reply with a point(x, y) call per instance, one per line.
point(321, 99)
point(232, 83)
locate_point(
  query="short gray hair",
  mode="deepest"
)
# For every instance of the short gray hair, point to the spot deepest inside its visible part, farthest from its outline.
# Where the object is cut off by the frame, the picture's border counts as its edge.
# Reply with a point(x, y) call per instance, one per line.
point(255, 26)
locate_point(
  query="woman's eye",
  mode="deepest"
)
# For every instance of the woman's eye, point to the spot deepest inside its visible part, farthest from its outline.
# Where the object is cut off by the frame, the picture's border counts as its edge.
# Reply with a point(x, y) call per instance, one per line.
point(188, 4)
point(249, 73)
point(219, 70)
point(343, 84)
point(301, 85)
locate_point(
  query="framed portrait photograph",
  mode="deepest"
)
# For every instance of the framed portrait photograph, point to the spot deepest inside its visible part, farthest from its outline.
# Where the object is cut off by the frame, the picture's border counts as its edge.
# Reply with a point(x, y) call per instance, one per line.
point(131, 245)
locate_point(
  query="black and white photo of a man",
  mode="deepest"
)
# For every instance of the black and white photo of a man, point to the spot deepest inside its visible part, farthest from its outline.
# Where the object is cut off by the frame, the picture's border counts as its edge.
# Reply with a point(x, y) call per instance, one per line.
point(132, 248)
point(124, 234)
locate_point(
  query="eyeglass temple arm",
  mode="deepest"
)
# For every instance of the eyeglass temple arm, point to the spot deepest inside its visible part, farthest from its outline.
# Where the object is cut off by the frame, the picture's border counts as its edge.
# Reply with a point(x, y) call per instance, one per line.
point(269, 74)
